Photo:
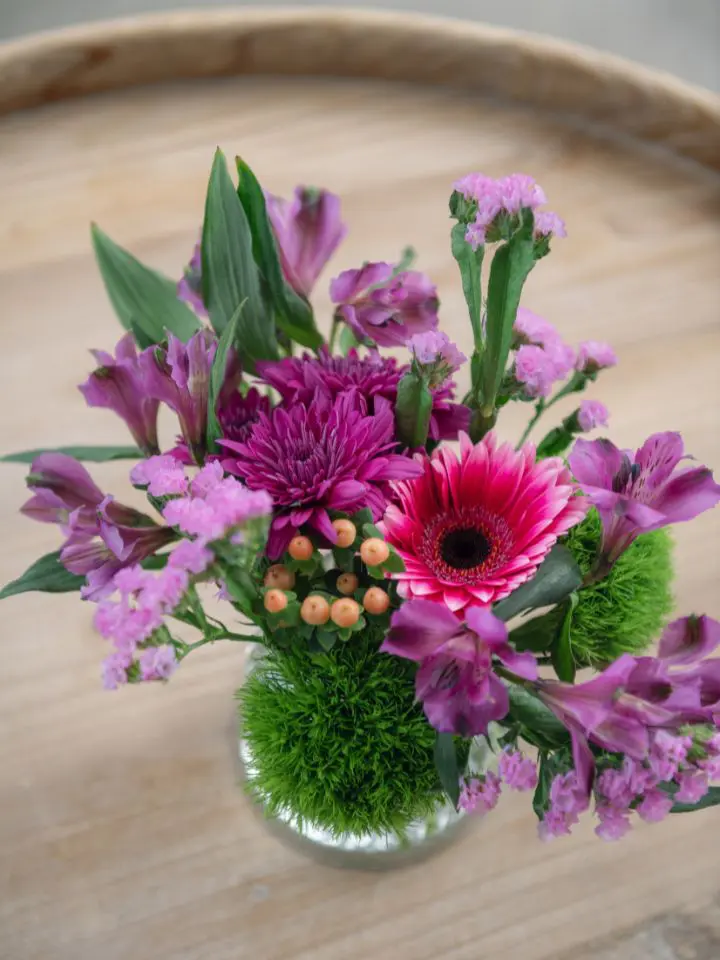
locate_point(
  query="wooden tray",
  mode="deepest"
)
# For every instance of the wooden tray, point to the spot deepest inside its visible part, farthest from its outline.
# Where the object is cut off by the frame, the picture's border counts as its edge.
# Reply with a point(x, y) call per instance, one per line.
point(123, 833)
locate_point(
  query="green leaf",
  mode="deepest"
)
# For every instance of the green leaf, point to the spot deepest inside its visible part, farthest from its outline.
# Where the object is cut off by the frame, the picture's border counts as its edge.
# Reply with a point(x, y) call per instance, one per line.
point(143, 299)
point(394, 563)
point(413, 407)
point(539, 724)
point(555, 443)
point(89, 454)
point(561, 650)
point(557, 577)
point(542, 790)
point(370, 530)
point(158, 561)
point(217, 376)
point(344, 557)
point(347, 340)
point(470, 263)
point(536, 634)
point(711, 799)
point(508, 271)
point(362, 517)
point(141, 338)
point(229, 273)
point(293, 314)
point(46, 575)
point(327, 639)
point(446, 763)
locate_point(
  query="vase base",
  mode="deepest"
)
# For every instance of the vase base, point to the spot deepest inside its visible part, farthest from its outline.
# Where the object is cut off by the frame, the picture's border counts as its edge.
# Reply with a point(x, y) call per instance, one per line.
point(371, 851)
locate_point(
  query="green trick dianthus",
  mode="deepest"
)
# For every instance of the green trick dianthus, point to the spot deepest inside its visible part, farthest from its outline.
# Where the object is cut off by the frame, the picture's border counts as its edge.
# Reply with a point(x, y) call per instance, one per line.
point(340, 740)
point(627, 610)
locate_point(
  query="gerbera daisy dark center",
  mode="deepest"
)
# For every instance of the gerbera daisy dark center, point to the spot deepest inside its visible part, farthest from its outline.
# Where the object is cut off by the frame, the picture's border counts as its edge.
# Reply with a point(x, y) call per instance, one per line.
point(467, 545)
point(463, 549)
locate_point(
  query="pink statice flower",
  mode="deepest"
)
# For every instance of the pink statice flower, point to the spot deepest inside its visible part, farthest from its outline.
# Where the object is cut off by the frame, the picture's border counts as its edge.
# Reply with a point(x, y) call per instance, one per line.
point(530, 328)
point(536, 370)
point(191, 555)
point(119, 384)
point(517, 771)
point(218, 510)
point(636, 493)
point(480, 795)
point(189, 288)
point(207, 479)
point(158, 663)
point(308, 230)
point(692, 786)
point(297, 380)
point(655, 806)
point(506, 197)
point(115, 669)
point(163, 475)
point(437, 353)
point(472, 528)
point(383, 306)
point(592, 414)
point(614, 823)
point(455, 682)
point(567, 801)
point(594, 356)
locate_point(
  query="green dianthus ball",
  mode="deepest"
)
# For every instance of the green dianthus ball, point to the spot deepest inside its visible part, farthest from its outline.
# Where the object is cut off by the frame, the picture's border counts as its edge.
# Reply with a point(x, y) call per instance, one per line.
point(340, 740)
point(625, 612)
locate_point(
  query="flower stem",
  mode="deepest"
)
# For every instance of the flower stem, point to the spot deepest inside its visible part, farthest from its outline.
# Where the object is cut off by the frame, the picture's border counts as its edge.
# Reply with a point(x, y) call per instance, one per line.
point(333, 334)
point(540, 408)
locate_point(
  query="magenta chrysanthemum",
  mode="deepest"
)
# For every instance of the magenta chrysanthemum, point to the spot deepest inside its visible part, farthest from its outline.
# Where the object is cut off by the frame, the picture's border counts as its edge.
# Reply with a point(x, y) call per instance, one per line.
point(328, 455)
point(298, 378)
point(471, 530)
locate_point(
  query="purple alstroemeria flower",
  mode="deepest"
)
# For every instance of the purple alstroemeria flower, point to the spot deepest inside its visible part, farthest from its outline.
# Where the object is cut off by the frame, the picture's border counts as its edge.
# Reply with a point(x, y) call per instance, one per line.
point(459, 691)
point(189, 288)
point(308, 230)
point(637, 493)
point(619, 708)
point(63, 493)
point(328, 455)
point(119, 384)
point(383, 306)
point(123, 537)
point(180, 377)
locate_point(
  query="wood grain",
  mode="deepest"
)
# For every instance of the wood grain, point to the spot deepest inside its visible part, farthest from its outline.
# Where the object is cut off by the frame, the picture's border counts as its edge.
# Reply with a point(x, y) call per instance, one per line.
point(123, 832)
point(539, 72)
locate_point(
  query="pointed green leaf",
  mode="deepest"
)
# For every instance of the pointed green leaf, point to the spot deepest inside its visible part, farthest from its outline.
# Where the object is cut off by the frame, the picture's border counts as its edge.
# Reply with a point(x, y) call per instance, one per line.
point(47, 575)
point(536, 634)
point(557, 577)
point(539, 724)
point(446, 764)
point(80, 452)
point(561, 651)
point(413, 407)
point(293, 314)
point(229, 273)
point(542, 790)
point(394, 563)
point(143, 299)
point(470, 263)
point(555, 443)
point(509, 269)
point(370, 530)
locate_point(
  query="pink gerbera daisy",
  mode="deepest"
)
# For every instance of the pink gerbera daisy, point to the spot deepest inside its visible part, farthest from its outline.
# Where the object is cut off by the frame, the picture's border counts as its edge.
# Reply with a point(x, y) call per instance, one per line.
point(471, 530)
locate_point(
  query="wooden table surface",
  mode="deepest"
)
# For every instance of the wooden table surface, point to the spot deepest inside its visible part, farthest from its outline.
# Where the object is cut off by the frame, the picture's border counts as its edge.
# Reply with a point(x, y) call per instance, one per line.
point(123, 833)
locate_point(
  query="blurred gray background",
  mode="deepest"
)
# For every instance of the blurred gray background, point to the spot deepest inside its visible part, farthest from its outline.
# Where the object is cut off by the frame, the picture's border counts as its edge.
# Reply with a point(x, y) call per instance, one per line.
point(679, 36)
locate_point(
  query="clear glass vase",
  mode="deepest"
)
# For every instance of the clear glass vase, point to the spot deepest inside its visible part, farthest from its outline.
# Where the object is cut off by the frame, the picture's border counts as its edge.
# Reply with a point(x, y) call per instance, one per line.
point(371, 851)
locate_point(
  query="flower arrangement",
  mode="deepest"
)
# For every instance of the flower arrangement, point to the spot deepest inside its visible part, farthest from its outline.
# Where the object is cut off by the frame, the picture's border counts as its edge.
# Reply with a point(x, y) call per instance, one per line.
point(411, 593)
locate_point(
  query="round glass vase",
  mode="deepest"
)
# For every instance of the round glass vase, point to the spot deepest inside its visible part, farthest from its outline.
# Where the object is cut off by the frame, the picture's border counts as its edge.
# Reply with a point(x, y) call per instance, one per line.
point(368, 851)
